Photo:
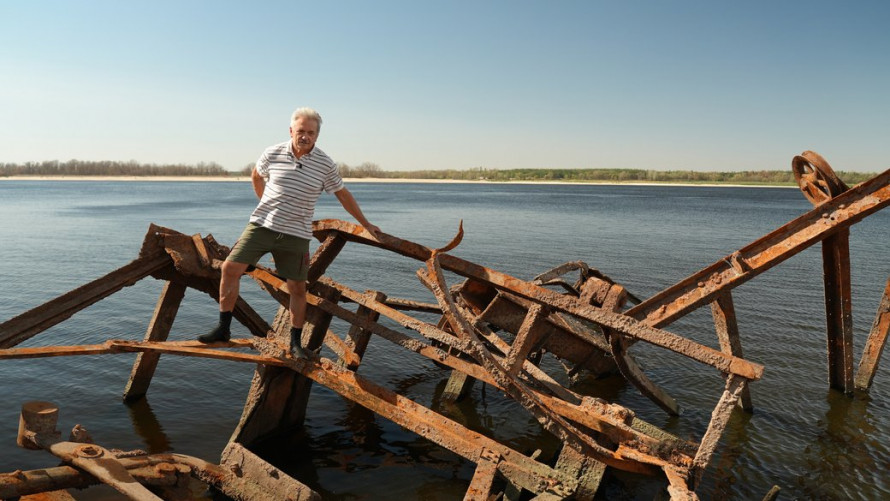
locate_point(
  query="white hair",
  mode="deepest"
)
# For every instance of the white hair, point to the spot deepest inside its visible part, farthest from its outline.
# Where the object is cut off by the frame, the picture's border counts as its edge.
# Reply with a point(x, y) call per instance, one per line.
point(305, 113)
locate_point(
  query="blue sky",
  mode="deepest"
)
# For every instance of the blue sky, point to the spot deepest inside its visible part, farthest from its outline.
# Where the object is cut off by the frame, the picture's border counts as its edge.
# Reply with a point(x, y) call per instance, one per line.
point(699, 85)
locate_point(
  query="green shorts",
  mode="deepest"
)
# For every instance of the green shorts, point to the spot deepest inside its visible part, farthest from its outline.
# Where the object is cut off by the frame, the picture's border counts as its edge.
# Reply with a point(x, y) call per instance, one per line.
point(291, 254)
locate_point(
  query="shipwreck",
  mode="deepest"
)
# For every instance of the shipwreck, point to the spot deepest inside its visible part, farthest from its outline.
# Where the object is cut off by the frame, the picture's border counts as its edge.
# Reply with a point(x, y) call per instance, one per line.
point(491, 327)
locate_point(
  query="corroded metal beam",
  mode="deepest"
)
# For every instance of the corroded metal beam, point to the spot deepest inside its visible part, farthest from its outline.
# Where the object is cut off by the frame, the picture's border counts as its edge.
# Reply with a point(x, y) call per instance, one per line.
point(764, 253)
point(37, 320)
point(868, 365)
point(502, 281)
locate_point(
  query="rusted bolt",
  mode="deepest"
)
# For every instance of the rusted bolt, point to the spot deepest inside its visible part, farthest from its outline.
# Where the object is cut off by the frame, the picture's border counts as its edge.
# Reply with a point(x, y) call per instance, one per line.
point(824, 214)
point(89, 451)
point(701, 284)
point(326, 364)
point(842, 206)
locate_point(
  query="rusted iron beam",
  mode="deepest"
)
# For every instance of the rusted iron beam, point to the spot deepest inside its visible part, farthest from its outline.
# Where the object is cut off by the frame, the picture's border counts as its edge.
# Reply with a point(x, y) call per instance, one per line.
point(838, 310)
point(357, 338)
point(719, 420)
point(325, 254)
point(632, 371)
point(874, 346)
point(29, 483)
point(550, 420)
point(37, 320)
point(587, 470)
point(596, 418)
point(158, 330)
point(766, 252)
point(252, 478)
point(611, 420)
point(113, 346)
point(269, 399)
point(520, 469)
point(502, 281)
point(526, 339)
point(483, 479)
point(727, 327)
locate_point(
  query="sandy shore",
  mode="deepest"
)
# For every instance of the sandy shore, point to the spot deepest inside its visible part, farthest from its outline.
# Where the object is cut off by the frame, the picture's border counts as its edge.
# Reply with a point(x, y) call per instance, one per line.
point(368, 180)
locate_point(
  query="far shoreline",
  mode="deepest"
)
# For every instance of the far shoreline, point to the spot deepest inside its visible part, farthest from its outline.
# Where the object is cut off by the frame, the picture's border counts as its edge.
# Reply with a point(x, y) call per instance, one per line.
point(357, 180)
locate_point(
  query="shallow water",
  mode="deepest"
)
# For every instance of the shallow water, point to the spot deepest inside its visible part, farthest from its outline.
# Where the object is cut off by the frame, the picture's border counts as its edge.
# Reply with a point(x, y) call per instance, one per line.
point(813, 442)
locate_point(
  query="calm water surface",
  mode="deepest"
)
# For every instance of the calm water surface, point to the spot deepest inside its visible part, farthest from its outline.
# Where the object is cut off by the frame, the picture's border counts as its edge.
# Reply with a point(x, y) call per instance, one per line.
point(812, 442)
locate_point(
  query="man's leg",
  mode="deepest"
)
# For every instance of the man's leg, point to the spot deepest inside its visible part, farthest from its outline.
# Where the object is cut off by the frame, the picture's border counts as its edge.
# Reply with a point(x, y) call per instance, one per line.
point(229, 288)
point(297, 307)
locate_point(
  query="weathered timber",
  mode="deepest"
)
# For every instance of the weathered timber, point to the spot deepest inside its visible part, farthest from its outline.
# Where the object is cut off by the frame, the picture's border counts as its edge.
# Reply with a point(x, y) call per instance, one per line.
point(719, 420)
point(838, 310)
point(158, 330)
point(766, 252)
point(37, 320)
point(727, 327)
point(357, 339)
point(874, 346)
point(502, 281)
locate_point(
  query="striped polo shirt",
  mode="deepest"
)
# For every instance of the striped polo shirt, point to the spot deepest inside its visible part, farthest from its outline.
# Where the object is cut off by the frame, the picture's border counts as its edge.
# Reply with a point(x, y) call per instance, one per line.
point(292, 188)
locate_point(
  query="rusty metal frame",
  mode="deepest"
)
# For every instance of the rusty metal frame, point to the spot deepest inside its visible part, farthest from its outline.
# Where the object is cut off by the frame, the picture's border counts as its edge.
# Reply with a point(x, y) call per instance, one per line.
point(595, 434)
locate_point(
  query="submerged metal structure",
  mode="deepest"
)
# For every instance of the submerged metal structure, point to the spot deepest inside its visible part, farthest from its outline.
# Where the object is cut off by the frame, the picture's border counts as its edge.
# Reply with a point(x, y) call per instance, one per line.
point(490, 327)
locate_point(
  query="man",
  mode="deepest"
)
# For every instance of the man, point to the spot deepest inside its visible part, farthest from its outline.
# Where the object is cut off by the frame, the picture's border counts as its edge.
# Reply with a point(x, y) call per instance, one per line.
point(288, 179)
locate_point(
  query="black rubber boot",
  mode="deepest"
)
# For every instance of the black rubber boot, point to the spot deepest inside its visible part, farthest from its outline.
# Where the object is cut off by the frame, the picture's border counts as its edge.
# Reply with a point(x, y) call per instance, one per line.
point(296, 350)
point(219, 334)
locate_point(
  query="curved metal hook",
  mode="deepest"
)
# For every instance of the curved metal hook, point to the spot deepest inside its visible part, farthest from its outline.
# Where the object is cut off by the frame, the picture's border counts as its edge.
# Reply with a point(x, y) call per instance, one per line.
point(454, 241)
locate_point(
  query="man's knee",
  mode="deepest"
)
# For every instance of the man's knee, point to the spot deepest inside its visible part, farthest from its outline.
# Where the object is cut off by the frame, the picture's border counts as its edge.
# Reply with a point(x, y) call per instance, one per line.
point(232, 270)
point(296, 288)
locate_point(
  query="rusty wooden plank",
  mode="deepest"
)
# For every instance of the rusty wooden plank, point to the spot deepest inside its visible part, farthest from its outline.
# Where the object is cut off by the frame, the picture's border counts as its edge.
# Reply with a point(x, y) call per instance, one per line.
point(838, 310)
point(270, 393)
point(158, 330)
point(517, 390)
point(526, 339)
point(632, 371)
point(345, 354)
point(458, 386)
point(621, 323)
point(483, 480)
point(766, 252)
point(325, 254)
point(874, 346)
point(316, 326)
point(719, 420)
point(726, 325)
point(357, 338)
point(587, 470)
point(254, 478)
point(37, 320)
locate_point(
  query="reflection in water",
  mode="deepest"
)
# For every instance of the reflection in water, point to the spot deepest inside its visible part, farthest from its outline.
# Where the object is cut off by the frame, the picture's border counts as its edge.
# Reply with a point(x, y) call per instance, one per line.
point(843, 450)
point(147, 426)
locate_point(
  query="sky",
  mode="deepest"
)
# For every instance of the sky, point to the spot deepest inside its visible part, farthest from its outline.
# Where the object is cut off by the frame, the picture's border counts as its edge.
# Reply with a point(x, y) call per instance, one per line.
point(416, 85)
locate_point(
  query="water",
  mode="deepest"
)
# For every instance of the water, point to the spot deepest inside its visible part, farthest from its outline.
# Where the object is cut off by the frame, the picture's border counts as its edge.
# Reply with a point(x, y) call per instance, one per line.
point(812, 442)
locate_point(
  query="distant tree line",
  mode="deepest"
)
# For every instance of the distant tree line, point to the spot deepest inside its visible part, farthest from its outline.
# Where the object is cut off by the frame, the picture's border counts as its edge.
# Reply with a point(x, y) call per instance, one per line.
point(372, 170)
point(109, 168)
point(771, 177)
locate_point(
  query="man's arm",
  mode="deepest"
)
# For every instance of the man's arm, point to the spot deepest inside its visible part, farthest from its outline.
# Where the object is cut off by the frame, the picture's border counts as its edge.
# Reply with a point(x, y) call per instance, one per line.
point(259, 184)
point(348, 202)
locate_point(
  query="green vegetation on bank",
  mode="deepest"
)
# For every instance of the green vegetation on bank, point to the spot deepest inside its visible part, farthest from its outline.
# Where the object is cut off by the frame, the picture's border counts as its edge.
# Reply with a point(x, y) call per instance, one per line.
point(109, 168)
point(370, 170)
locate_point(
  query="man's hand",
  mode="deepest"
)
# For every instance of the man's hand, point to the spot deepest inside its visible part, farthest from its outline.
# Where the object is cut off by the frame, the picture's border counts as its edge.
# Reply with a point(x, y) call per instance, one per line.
point(373, 230)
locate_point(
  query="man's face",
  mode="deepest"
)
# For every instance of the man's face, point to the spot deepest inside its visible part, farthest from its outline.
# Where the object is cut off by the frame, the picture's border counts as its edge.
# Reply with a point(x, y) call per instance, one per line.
point(304, 133)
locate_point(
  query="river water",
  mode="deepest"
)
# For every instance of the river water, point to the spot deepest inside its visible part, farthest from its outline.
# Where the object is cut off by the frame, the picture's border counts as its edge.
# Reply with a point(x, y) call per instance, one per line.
point(814, 443)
